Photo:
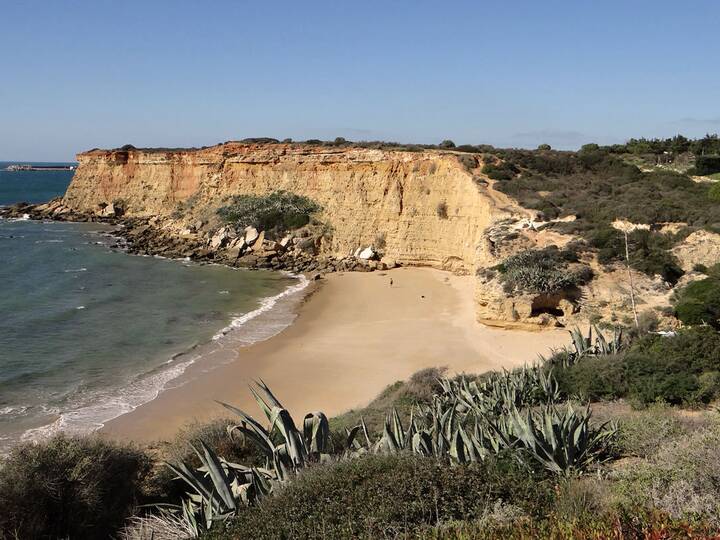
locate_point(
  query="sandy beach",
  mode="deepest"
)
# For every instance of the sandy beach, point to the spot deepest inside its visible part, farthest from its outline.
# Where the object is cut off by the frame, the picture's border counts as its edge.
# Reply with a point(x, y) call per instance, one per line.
point(353, 336)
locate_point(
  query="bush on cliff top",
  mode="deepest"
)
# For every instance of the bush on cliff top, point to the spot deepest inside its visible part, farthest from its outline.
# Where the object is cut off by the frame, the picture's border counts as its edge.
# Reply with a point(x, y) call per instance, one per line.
point(279, 211)
point(69, 487)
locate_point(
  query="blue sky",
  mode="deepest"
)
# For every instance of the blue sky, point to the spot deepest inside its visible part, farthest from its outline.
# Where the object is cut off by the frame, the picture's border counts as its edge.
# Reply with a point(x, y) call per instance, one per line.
point(78, 74)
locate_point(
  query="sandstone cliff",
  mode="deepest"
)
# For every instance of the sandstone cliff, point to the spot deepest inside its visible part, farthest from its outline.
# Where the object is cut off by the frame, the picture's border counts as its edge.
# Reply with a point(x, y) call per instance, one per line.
point(365, 193)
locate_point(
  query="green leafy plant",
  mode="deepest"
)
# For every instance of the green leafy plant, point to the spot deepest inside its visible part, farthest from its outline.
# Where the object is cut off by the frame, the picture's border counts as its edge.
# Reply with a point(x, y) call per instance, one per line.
point(69, 487)
point(278, 211)
point(699, 302)
point(541, 271)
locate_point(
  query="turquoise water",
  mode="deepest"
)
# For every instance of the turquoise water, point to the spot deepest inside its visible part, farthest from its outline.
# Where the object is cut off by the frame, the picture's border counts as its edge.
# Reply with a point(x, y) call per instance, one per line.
point(88, 333)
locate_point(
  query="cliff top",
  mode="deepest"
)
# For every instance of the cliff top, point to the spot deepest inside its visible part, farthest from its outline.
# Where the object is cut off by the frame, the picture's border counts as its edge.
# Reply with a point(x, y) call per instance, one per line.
point(338, 145)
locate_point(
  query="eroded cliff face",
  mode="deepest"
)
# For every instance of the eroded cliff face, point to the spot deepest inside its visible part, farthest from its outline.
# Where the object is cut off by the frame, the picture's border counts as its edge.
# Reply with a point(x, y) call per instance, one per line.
point(430, 208)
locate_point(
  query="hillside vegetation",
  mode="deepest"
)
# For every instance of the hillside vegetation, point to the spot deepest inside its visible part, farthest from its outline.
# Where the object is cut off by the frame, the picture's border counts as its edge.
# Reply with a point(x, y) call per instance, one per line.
point(496, 455)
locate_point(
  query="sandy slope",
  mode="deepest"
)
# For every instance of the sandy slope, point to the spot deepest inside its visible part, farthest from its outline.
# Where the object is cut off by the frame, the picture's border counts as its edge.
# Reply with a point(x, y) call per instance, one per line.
point(354, 336)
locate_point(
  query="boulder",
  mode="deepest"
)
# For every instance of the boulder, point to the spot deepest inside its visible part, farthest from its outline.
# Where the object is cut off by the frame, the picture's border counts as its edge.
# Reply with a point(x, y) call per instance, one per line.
point(307, 244)
point(367, 254)
point(389, 262)
point(285, 242)
point(257, 245)
point(235, 247)
point(251, 235)
point(220, 238)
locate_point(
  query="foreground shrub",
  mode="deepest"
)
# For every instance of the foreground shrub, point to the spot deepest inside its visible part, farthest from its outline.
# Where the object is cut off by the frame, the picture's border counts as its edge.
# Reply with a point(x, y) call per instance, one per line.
point(682, 478)
point(638, 524)
point(388, 496)
point(641, 433)
point(69, 487)
point(279, 211)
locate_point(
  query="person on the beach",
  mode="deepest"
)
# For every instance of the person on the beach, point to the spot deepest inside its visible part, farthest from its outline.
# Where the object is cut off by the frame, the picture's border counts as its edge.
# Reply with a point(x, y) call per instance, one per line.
point(391, 282)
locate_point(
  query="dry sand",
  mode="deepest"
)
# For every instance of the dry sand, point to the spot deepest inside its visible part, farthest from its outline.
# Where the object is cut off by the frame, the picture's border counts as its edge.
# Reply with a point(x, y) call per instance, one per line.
point(353, 336)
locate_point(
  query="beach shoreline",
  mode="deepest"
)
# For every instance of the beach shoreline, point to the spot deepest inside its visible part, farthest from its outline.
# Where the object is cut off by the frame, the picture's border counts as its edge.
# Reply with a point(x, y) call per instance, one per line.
point(353, 335)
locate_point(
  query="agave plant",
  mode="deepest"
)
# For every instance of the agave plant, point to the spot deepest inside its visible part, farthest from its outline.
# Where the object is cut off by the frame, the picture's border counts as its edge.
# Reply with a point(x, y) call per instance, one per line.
point(218, 489)
point(519, 388)
point(585, 346)
point(297, 448)
point(562, 440)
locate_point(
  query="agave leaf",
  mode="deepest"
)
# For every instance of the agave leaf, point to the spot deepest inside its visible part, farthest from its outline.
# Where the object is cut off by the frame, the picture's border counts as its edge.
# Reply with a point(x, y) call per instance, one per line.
point(273, 401)
point(261, 432)
point(260, 439)
point(220, 480)
point(316, 430)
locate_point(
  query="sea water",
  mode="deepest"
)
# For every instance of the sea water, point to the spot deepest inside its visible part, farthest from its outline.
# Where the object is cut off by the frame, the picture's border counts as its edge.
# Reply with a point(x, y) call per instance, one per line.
point(88, 333)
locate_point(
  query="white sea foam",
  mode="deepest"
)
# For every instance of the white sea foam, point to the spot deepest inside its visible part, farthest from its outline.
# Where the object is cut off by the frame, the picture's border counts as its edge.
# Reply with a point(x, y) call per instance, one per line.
point(95, 409)
point(265, 305)
point(4, 411)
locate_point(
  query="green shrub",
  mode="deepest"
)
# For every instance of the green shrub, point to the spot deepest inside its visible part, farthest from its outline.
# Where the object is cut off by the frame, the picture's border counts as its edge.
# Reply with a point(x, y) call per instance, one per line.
point(388, 497)
point(714, 192)
point(542, 271)
point(500, 171)
point(706, 165)
point(279, 211)
point(649, 251)
point(594, 378)
point(69, 487)
point(676, 370)
point(699, 302)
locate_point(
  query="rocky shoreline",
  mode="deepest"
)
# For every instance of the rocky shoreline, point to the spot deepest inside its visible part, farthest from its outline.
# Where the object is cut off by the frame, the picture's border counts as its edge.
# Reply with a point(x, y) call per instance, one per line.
point(299, 252)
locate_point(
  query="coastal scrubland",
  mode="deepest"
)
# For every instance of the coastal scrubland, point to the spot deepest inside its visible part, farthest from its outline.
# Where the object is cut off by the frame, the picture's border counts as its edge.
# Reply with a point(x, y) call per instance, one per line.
point(431, 457)
point(614, 435)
